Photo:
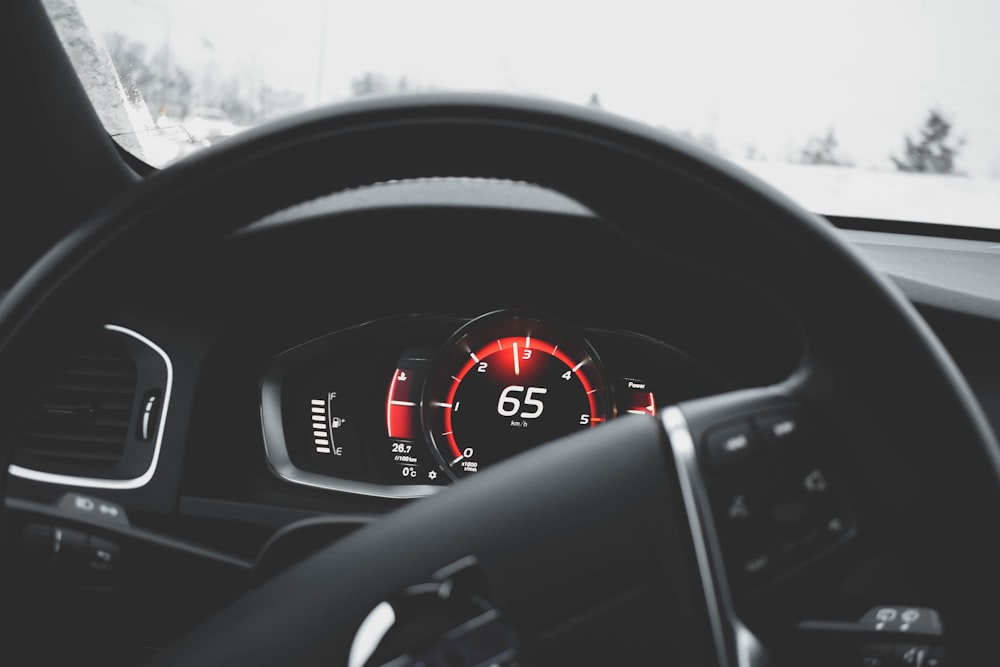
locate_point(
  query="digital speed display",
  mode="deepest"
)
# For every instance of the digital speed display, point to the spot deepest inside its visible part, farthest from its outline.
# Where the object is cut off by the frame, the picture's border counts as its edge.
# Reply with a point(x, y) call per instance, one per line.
point(505, 383)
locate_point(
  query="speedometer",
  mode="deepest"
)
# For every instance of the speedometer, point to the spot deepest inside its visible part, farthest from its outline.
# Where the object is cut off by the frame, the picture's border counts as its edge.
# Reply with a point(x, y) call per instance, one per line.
point(507, 382)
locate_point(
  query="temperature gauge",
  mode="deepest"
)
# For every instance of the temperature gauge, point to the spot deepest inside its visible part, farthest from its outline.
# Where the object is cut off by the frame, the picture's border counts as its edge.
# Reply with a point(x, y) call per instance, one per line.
point(407, 455)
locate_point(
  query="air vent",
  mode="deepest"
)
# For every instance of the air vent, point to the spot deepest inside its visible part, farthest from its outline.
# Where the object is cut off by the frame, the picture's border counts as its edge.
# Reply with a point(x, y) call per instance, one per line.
point(100, 423)
point(85, 416)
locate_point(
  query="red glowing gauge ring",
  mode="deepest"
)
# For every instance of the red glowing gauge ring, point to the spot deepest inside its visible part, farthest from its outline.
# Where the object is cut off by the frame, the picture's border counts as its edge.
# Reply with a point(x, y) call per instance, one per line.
point(505, 383)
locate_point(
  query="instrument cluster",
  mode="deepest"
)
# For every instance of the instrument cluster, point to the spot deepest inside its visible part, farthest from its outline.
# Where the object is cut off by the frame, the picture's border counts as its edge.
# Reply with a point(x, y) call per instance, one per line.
point(402, 406)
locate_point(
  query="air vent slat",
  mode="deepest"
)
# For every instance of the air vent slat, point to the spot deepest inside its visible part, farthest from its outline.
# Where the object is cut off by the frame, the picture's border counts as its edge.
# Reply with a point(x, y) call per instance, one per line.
point(111, 422)
point(108, 441)
point(123, 375)
point(84, 417)
point(108, 430)
point(98, 403)
point(93, 387)
point(64, 452)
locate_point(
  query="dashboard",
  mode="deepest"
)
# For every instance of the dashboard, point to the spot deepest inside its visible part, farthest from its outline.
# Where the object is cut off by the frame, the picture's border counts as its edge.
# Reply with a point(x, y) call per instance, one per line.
point(316, 385)
point(292, 337)
point(310, 377)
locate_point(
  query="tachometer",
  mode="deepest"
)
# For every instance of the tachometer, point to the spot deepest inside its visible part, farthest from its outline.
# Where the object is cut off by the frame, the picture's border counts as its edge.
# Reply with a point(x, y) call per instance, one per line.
point(507, 382)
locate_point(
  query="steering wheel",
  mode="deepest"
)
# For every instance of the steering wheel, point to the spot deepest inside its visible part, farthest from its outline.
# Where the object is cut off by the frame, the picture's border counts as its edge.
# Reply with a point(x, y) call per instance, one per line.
point(561, 554)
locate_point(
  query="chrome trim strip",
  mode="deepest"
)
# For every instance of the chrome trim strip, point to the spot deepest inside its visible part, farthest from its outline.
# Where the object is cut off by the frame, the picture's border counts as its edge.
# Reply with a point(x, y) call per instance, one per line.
point(735, 641)
point(373, 630)
point(97, 483)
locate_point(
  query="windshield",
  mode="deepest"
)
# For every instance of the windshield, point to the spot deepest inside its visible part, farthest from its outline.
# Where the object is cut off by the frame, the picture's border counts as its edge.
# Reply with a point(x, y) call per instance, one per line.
point(861, 108)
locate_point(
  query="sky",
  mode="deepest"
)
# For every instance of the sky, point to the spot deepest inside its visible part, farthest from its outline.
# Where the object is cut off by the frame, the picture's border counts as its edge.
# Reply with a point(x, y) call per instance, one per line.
point(767, 74)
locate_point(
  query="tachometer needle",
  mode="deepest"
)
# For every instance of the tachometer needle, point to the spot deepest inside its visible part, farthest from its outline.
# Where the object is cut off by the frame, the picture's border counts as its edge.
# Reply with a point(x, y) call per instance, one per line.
point(517, 367)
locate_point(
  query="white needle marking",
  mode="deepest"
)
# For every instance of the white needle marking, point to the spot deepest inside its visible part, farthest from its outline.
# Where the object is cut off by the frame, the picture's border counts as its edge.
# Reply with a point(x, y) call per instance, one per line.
point(474, 357)
point(577, 367)
point(407, 403)
point(460, 457)
point(517, 365)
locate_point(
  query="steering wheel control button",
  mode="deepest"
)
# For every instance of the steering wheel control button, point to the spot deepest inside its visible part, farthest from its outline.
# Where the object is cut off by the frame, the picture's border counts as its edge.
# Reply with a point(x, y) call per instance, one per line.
point(739, 508)
point(774, 512)
point(815, 481)
point(756, 564)
point(789, 514)
point(780, 429)
point(88, 508)
point(730, 444)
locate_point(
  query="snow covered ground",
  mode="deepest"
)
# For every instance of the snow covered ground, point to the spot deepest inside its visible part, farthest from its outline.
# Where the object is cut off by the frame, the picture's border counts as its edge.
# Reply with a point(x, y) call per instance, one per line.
point(885, 195)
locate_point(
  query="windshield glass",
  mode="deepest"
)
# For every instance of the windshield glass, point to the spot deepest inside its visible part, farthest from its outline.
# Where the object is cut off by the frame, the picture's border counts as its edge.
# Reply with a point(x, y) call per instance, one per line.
point(869, 108)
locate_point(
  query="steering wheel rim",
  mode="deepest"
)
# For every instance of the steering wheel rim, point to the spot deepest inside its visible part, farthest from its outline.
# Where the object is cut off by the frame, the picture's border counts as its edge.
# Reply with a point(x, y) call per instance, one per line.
point(577, 152)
